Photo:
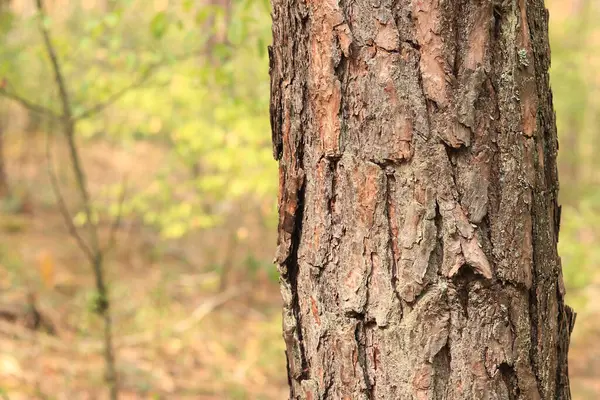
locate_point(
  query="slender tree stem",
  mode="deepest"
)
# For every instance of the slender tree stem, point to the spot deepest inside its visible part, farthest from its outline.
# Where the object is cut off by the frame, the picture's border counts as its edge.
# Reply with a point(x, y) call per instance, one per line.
point(4, 187)
point(103, 303)
point(69, 125)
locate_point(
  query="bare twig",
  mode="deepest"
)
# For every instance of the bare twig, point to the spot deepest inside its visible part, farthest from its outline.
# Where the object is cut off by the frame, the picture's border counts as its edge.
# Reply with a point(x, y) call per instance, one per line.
point(62, 204)
point(140, 81)
point(114, 97)
point(28, 104)
point(67, 113)
point(68, 123)
point(58, 76)
point(112, 236)
point(97, 259)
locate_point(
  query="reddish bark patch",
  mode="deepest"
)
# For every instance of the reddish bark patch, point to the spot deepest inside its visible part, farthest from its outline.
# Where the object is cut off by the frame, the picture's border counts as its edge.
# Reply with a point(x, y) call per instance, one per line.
point(428, 24)
point(478, 38)
point(327, 30)
point(529, 111)
point(315, 310)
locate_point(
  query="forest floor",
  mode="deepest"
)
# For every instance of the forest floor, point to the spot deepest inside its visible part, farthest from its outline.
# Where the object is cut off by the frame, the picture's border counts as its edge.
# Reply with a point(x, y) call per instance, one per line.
point(178, 335)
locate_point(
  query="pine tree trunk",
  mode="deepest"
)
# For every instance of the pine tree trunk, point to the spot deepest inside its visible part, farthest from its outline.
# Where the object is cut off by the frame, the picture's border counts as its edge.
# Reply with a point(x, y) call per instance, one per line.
point(4, 187)
point(418, 200)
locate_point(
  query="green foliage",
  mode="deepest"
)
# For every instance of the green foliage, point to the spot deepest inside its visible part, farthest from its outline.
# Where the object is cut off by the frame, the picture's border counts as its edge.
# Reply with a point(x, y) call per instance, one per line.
point(580, 232)
point(159, 25)
point(573, 84)
point(202, 92)
point(6, 22)
point(214, 120)
point(96, 302)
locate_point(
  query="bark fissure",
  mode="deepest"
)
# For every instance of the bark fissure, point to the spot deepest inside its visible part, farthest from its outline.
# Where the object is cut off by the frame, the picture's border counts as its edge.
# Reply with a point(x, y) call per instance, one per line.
point(292, 271)
point(509, 376)
point(275, 107)
point(361, 340)
point(533, 315)
point(392, 227)
point(443, 365)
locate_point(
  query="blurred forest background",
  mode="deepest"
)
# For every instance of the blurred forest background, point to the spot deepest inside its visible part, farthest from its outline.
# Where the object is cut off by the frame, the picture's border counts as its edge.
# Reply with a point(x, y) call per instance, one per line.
point(154, 146)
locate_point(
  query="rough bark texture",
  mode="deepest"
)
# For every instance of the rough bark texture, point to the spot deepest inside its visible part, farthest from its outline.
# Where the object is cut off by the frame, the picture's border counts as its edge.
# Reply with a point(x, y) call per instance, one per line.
point(418, 200)
point(4, 188)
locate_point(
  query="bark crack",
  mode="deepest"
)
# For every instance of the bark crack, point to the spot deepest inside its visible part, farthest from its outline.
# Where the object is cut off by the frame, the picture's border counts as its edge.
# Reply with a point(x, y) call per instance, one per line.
point(393, 230)
point(275, 107)
point(509, 376)
point(293, 271)
point(443, 368)
point(360, 335)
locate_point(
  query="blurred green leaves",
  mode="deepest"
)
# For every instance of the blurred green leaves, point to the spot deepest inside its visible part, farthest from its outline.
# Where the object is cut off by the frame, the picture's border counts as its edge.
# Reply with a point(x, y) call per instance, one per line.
point(6, 22)
point(159, 24)
point(575, 85)
point(205, 102)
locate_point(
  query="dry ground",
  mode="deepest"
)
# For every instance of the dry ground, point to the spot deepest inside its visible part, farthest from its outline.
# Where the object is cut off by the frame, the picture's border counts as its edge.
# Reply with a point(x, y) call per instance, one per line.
point(178, 335)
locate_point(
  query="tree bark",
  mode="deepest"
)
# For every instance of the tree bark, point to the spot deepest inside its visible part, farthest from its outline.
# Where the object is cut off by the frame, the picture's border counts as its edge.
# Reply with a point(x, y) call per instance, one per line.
point(4, 187)
point(418, 215)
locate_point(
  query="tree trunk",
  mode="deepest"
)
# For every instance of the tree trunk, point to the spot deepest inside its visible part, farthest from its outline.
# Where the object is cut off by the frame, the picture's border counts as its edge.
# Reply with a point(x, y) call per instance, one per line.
point(418, 216)
point(4, 187)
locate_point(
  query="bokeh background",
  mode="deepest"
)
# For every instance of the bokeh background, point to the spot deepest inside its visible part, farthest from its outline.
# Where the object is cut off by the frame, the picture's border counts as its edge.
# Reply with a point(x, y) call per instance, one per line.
point(171, 102)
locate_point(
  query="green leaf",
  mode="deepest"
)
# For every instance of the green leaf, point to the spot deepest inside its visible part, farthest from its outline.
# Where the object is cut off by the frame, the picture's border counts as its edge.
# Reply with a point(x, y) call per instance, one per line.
point(159, 25)
point(203, 14)
point(187, 5)
point(130, 60)
point(174, 231)
point(46, 22)
point(262, 47)
point(222, 50)
point(78, 110)
point(80, 219)
point(6, 22)
point(115, 42)
point(112, 20)
point(85, 43)
point(237, 32)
